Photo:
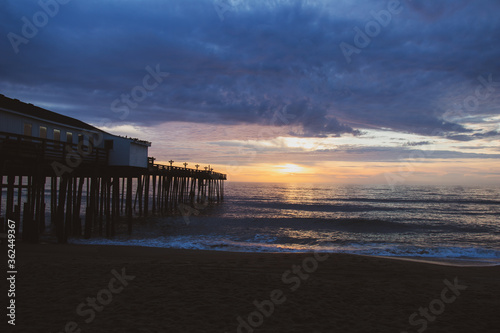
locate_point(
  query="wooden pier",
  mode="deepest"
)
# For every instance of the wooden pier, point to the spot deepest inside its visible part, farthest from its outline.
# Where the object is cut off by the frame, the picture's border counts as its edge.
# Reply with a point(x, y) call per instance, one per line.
point(83, 195)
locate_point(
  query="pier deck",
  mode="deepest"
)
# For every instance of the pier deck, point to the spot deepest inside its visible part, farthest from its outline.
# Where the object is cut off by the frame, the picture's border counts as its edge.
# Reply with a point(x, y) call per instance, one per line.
point(83, 195)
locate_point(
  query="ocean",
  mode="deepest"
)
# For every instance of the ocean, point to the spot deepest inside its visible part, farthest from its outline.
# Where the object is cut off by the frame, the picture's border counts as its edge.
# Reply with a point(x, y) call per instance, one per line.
point(443, 222)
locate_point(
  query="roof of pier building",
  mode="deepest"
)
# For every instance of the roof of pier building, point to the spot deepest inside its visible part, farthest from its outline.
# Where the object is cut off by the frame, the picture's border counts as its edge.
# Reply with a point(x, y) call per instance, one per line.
point(32, 111)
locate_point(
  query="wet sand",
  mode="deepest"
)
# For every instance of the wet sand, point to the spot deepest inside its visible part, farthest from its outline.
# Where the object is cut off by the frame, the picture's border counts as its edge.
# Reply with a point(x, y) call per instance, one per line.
point(83, 288)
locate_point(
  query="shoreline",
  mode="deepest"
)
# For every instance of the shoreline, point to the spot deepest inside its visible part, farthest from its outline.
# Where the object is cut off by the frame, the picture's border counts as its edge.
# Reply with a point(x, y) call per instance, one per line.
point(452, 262)
point(446, 261)
point(177, 290)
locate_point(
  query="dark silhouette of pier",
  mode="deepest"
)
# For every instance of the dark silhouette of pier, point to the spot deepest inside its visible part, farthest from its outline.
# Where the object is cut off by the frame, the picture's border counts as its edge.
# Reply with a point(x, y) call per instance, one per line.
point(83, 191)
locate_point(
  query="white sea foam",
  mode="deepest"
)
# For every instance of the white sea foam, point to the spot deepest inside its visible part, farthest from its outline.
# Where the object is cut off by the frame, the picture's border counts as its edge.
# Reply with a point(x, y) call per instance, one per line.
point(265, 244)
point(411, 221)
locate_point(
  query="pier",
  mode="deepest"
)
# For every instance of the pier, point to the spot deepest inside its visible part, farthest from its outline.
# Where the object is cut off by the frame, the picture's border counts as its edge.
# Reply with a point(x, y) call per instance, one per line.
point(90, 183)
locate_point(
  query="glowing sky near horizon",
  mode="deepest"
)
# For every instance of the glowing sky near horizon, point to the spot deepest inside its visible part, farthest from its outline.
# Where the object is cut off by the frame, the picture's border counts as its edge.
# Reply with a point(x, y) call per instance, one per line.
point(282, 91)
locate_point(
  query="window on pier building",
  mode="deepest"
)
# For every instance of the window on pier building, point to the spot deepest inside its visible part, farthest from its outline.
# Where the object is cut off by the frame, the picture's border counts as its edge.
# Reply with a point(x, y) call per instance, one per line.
point(27, 129)
point(57, 135)
point(82, 142)
point(69, 137)
point(43, 132)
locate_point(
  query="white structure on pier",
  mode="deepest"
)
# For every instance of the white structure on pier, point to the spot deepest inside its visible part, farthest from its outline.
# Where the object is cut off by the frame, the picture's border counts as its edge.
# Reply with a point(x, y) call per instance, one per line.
point(25, 119)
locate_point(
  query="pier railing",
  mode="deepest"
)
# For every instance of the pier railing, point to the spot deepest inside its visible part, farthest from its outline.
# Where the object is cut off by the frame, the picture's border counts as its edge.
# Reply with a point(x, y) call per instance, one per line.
point(184, 172)
point(94, 200)
point(23, 148)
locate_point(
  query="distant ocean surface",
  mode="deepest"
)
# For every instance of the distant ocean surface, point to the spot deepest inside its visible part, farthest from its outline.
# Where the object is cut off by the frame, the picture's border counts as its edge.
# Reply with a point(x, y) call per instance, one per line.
point(409, 221)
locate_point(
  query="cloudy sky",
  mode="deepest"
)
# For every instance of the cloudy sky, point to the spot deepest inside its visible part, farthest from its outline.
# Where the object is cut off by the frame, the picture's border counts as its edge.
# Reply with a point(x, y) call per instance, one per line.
point(397, 92)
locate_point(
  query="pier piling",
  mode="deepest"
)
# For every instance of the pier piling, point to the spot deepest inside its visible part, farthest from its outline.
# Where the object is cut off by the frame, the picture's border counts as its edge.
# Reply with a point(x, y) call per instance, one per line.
point(92, 192)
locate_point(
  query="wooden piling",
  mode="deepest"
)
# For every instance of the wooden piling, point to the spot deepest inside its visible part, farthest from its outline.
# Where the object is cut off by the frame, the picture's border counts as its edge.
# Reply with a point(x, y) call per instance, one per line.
point(128, 205)
point(60, 227)
point(153, 199)
point(10, 197)
point(158, 189)
point(146, 194)
point(3, 222)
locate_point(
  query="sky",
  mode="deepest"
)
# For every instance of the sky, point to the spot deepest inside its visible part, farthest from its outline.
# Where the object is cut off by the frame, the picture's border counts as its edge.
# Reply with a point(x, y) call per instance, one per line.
point(363, 92)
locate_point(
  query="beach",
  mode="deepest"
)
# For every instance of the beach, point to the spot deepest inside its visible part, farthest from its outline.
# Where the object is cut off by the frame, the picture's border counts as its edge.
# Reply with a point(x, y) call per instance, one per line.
point(250, 166)
point(93, 288)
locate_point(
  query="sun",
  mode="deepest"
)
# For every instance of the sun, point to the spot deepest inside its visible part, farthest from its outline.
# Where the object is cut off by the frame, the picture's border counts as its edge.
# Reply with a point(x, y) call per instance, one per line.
point(289, 168)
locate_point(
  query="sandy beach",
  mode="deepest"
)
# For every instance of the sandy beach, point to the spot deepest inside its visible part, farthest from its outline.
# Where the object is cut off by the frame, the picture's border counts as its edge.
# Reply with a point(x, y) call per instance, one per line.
point(82, 288)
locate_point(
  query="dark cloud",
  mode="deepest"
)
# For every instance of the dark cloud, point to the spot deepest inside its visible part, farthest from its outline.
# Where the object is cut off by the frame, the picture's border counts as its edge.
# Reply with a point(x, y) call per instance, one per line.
point(245, 151)
point(265, 56)
point(419, 143)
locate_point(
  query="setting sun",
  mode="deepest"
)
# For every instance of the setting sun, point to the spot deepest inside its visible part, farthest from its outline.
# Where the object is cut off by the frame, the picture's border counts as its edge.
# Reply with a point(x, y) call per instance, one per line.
point(250, 165)
point(290, 168)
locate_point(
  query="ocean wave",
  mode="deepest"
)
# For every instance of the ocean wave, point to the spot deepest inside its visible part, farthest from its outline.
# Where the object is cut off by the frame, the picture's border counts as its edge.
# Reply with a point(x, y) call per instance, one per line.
point(360, 225)
point(328, 201)
point(421, 201)
point(319, 207)
point(255, 245)
point(421, 251)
